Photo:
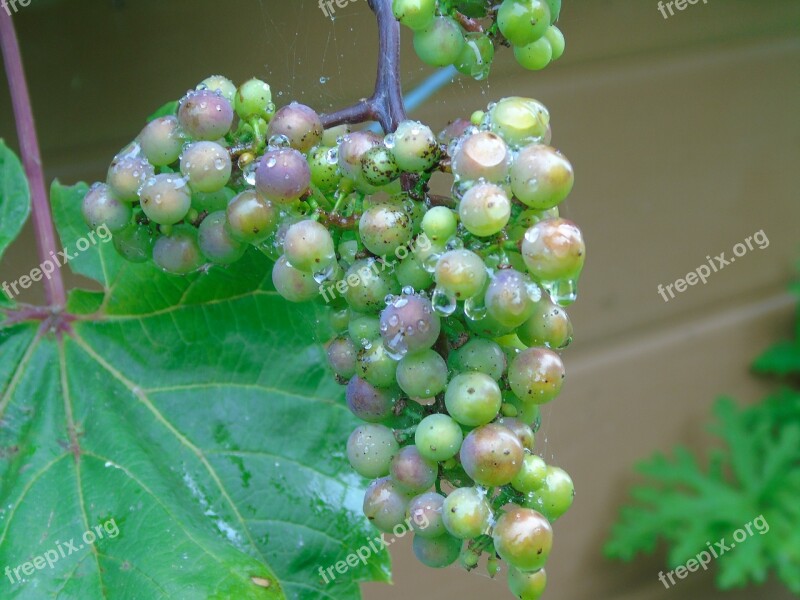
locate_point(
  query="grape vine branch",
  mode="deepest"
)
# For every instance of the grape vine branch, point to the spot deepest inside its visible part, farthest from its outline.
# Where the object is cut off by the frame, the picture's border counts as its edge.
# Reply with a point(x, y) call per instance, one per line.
point(386, 104)
point(32, 160)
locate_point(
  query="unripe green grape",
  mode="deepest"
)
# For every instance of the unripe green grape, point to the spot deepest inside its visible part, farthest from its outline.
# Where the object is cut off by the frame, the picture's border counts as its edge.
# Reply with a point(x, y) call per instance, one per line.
point(332, 135)
point(536, 375)
point(411, 273)
point(126, 175)
point(342, 357)
point(523, 21)
point(473, 399)
point(557, 41)
point(485, 209)
point(461, 272)
point(205, 115)
point(522, 430)
point(212, 201)
point(548, 326)
point(309, 247)
point(523, 538)
point(438, 552)
point(527, 411)
point(439, 44)
point(370, 449)
point(555, 497)
point(527, 586)
point(384, 228)
point(409, 324)
point(299, 124)
point(178, 253)
point(510, 297)
point(425, 511)
point(414, 147)
point(166, 198)
point(519, 121)
point(466, 513)
point(439, 224)
point(251, 219)
point(254, 99)
point(283, 175)
point(216, 242)
point(483, 155)
point(352, 149)
point(422, 374)
point(481, 355)
point(476, 56)
point(411, 472)
point(293, 284)
point(555, 9)
point(340, 320)
point(492, 455)
point(324, 166)
point(368, 402)
point(162, 141)
point(532, 475)
point(219, 84)
point(368, 284)
point(375, 365)
point(554, 250)
point(207, 166)
point(379, 166)
point(101, 208)
point(541, 177)
point(438, 437)
point(489, 327)
point(534, 56)
point(364, 328)
point(385, 504)
point(135, 243)
point(414, 14)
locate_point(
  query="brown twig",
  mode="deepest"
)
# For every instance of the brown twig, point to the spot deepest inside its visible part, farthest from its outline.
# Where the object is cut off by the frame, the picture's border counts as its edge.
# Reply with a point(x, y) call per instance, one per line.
point(386, 104)
point(31, 158)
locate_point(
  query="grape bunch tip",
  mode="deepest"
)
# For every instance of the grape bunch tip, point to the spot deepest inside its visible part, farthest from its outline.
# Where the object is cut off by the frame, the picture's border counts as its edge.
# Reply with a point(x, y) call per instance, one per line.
point(448, 313)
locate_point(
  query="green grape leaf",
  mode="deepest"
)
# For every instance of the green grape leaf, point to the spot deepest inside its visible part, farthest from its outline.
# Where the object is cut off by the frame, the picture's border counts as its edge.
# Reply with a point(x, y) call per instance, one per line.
point(194, 414)
point(168, 109)
point(753, 480)
point(15, 197)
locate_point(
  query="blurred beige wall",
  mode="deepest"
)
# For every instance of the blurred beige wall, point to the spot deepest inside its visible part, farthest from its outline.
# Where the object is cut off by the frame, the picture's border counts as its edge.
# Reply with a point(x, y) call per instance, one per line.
point(685, 138)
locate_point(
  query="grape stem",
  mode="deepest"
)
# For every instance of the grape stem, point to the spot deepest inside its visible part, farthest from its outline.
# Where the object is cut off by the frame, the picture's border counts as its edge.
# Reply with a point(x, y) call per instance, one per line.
point(31, 158)
point(386, 104)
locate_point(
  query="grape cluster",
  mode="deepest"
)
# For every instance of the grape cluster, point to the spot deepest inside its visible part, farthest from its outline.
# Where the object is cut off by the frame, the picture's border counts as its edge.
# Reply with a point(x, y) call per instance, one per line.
point(464, 33)
point(447, 312)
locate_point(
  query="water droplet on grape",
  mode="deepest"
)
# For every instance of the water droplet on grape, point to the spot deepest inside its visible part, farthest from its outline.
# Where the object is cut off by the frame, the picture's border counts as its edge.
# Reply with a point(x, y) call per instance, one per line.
point(474, 308)
point(563, 292)
point(444, 302)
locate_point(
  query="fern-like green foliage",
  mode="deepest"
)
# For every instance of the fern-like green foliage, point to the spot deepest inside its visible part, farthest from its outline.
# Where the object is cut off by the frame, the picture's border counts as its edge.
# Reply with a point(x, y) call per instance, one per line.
point(755, 471)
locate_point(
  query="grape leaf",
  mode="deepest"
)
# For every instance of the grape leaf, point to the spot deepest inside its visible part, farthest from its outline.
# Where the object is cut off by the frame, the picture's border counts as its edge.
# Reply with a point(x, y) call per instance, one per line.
point(15, 197)
point(165, 110)
point(194, 413)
